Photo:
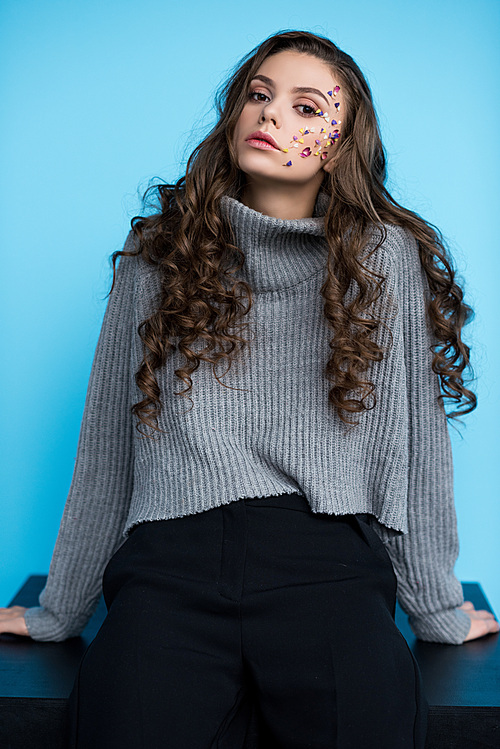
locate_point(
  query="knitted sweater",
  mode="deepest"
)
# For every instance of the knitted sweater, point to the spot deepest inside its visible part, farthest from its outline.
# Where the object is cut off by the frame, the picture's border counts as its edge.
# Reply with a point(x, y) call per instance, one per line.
point(272, 431)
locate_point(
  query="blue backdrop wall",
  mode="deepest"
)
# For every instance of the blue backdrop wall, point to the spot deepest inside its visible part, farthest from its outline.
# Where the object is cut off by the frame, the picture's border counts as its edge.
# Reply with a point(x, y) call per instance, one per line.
point(99, 98)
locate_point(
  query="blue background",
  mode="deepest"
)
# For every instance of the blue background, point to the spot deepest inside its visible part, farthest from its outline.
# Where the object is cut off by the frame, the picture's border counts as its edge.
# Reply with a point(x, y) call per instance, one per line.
point(99, 98)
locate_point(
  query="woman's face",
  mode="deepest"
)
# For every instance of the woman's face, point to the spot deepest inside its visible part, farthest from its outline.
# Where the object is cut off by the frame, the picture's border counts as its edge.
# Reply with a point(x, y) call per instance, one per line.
point(305, 124)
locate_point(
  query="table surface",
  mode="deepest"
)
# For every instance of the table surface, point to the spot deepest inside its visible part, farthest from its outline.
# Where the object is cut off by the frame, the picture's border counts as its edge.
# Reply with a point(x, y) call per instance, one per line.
point(466, 675)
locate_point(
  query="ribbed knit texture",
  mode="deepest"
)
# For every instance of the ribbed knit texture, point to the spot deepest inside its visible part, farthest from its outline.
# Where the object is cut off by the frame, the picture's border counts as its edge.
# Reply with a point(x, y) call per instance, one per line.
point(271, 431)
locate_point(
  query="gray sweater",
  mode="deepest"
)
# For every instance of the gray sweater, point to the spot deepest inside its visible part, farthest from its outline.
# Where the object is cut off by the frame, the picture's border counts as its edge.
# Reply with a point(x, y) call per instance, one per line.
point(271, 431)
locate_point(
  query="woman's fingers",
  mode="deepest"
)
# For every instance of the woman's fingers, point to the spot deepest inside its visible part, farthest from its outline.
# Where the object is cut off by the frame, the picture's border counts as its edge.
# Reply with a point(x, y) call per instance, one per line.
point(482, 622)
point(12, 620)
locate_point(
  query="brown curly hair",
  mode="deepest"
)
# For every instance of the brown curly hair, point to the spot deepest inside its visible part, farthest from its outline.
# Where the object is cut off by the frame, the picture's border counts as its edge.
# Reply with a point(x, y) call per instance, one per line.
point(191, 244)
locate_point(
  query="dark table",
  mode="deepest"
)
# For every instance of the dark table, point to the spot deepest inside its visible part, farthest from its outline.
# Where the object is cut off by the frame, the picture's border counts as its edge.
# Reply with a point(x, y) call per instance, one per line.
point(462, 683)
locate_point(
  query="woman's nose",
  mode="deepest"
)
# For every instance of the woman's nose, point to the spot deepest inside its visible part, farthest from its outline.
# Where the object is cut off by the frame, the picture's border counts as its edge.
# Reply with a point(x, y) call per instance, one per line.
point(270, 112)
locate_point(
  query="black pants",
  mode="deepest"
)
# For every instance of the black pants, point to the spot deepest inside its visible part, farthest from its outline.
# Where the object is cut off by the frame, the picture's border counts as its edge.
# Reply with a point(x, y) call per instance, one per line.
point(260, 601)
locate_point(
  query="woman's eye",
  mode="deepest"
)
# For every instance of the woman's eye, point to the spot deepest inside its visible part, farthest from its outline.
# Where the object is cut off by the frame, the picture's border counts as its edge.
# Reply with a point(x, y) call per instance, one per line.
point(257, 93)
point(311, 112)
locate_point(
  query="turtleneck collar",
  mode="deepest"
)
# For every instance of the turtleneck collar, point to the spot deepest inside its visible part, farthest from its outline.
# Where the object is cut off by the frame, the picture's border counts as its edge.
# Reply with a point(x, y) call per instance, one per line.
point(279, 253)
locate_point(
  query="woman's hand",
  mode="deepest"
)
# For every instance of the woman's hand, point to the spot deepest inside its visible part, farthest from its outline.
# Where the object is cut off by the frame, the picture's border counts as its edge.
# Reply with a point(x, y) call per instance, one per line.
point(12, 620)
point(482, 622)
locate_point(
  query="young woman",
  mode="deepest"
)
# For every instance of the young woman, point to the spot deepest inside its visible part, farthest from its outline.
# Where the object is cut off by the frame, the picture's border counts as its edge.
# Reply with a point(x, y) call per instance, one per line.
point(249, 530)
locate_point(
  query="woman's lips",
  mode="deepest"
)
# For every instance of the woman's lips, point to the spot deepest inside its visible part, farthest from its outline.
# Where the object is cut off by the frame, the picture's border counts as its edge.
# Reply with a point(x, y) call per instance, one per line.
point(261, 144)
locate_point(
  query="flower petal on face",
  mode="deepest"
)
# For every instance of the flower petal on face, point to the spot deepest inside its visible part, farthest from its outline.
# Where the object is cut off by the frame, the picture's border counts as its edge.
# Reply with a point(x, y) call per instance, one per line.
point(306, 152)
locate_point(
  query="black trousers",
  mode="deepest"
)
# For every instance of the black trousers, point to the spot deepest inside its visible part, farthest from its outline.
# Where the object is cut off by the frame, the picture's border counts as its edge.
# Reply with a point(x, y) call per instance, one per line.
point(260, 601)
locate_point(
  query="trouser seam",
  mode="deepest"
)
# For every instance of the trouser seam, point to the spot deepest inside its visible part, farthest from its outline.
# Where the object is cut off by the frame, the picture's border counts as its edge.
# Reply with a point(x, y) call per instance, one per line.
point(421, 707)
point(215, 744)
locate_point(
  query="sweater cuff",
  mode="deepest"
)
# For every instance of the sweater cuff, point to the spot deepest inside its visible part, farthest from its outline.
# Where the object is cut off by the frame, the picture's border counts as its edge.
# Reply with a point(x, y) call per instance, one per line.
point(44, 626)
point(450, 626)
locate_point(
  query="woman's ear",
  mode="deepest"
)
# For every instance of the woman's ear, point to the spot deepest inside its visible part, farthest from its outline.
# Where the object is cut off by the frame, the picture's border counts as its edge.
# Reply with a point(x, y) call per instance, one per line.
point(328, 166)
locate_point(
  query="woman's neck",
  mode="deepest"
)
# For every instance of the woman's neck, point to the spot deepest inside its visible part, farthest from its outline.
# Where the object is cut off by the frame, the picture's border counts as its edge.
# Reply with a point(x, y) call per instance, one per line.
point(281, 201)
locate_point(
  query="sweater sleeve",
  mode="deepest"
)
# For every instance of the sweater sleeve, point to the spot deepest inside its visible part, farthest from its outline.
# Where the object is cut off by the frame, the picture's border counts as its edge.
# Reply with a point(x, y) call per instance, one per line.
point(424, 558)
point(99, 496)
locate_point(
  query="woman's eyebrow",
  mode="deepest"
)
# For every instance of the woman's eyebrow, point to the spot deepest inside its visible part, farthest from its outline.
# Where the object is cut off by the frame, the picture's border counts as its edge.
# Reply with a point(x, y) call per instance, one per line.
point(296, 90)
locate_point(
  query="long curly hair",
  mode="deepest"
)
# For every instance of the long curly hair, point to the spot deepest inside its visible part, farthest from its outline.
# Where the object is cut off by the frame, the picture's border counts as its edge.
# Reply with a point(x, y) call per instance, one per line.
point(191, 244)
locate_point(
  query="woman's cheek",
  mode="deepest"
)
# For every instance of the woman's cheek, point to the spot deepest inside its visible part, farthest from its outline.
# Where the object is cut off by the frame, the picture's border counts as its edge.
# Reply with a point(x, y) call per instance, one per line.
point(316, 139)
point(312, 142)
